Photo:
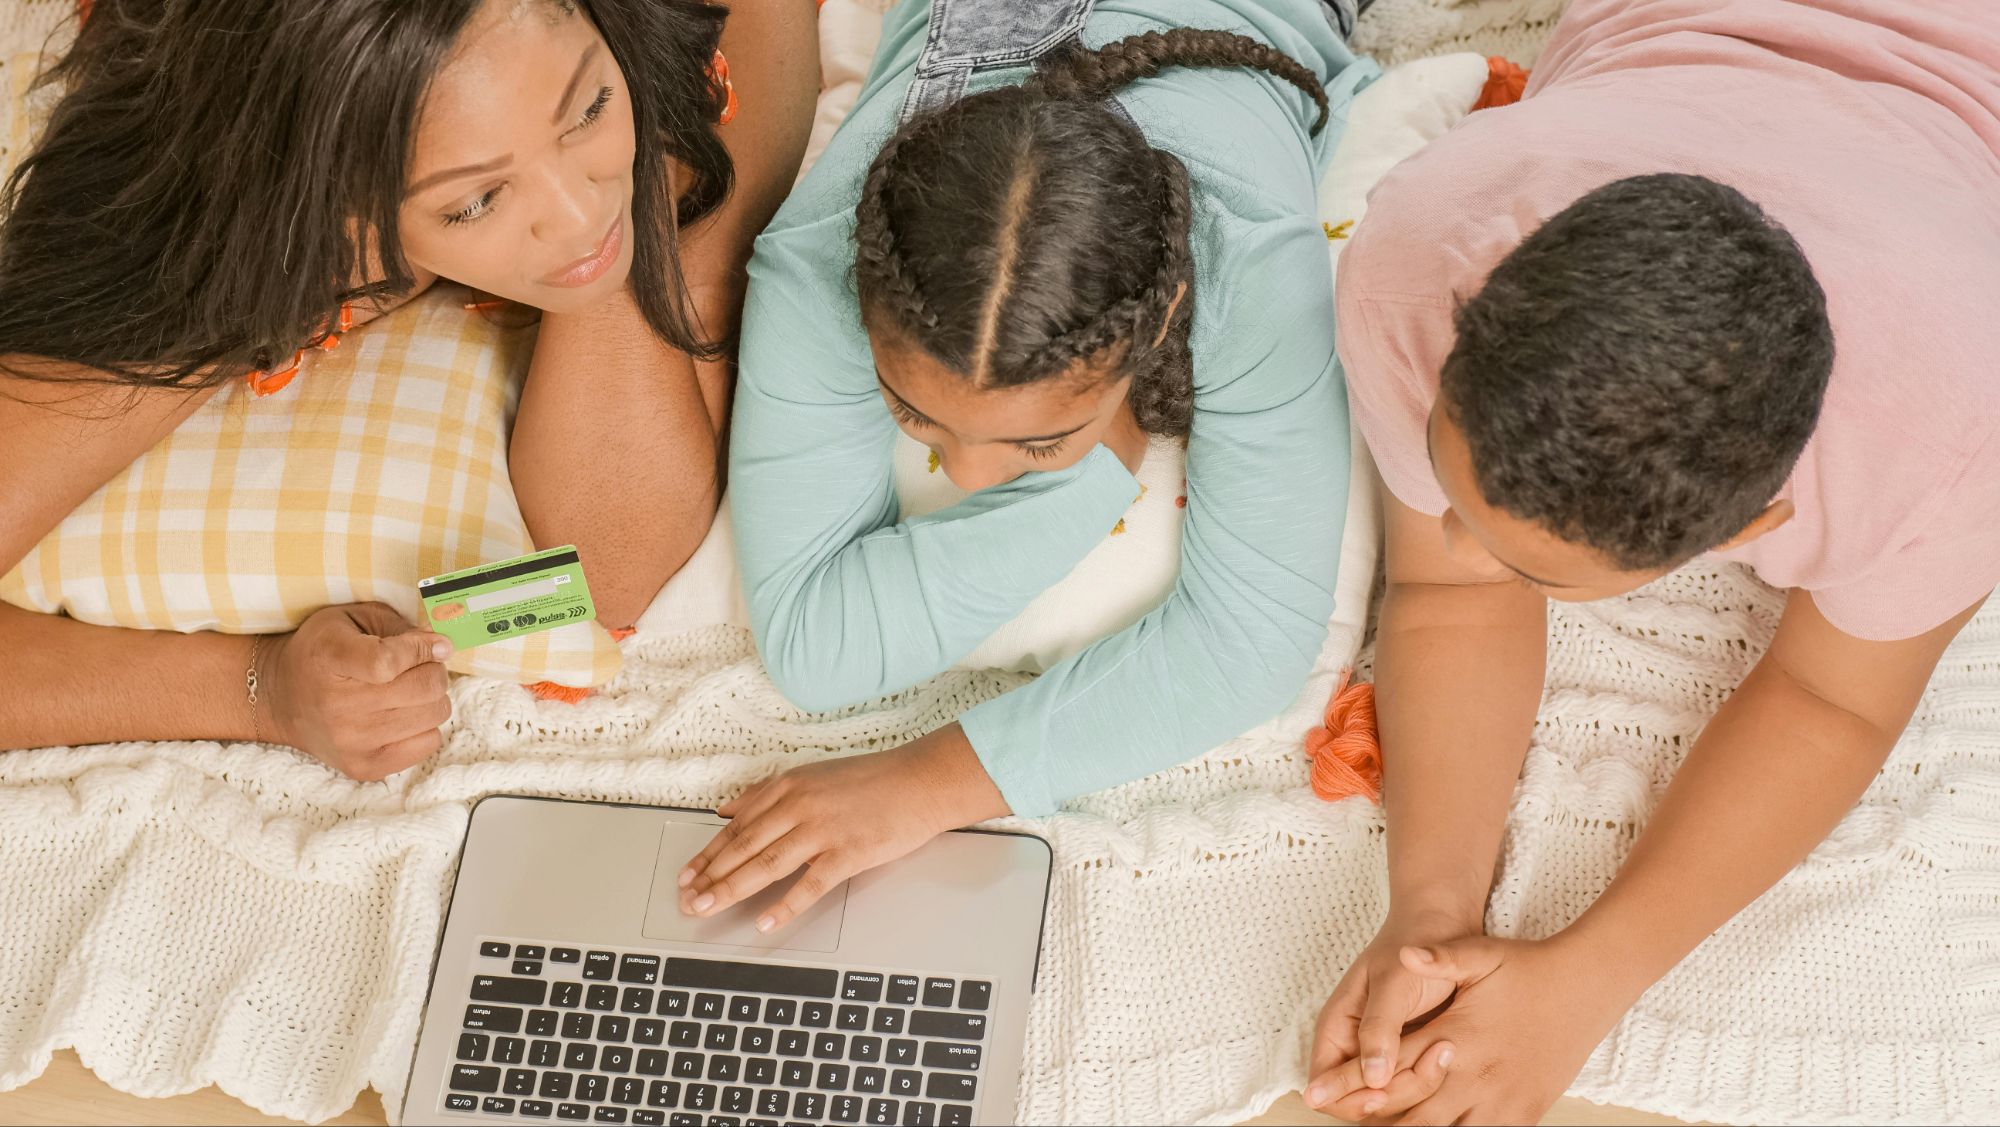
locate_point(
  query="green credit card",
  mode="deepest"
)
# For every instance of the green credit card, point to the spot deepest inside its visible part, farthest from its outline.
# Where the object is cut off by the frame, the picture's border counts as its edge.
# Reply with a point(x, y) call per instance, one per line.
point(524, 595)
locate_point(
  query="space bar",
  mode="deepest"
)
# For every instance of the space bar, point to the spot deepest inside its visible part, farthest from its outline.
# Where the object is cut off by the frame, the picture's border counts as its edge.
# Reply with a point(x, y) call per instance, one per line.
point(762, 978)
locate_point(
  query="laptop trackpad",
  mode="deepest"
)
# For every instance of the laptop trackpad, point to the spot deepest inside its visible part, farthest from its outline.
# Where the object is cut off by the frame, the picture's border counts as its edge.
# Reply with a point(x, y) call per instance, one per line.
point(817, 930)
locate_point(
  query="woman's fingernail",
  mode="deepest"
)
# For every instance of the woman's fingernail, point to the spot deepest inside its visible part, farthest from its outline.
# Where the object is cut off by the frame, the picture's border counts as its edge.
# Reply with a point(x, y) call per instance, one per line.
point(766, 923)
point(1316, 1095)
point(704, 902)
point(1422, 954)
point(1371, 1107)
point(1444, 1057)
point(1375, 1070)
point(441, 650)
point(687, 876)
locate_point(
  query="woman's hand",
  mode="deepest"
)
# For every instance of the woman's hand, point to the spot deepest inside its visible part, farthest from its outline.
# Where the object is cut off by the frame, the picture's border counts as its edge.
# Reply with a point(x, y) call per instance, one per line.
point(836, 819)
point(358, 688)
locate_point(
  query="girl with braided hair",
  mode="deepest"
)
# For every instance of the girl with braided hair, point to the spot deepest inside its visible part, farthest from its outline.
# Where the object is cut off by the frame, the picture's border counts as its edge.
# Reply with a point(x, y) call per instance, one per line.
point(1058, 254)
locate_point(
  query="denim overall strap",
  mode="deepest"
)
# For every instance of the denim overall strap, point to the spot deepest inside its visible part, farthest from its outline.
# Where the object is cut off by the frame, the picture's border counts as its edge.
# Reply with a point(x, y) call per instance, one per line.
point(1343, 14)
point(969, 36)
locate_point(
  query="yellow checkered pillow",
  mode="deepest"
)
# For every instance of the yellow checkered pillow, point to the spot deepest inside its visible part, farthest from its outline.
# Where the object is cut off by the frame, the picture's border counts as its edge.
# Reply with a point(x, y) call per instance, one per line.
point(381, 463)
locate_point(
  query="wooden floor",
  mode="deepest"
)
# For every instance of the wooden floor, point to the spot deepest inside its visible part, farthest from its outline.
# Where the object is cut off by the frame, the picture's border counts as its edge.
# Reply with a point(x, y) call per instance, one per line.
point(68, 1094)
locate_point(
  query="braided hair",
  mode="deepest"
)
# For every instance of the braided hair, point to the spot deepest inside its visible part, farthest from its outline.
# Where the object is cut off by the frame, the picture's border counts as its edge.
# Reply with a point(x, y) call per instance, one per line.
point(1018, 233)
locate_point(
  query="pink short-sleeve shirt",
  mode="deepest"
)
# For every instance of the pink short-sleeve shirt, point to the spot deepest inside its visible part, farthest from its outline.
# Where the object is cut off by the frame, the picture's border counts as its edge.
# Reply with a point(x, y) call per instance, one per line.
point(1871, 131)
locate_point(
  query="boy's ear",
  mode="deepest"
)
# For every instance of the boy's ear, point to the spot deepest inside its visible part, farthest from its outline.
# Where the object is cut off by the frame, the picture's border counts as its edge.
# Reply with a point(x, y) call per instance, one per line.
point(1771, 519)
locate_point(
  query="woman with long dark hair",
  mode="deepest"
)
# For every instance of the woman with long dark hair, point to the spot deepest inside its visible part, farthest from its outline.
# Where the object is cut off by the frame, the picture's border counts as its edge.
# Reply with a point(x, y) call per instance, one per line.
point(1113, 237)
point(225, 184)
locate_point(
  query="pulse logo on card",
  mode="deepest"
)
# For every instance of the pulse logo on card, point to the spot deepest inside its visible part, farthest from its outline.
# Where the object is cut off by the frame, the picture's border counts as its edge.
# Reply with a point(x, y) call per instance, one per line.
point(524, 595)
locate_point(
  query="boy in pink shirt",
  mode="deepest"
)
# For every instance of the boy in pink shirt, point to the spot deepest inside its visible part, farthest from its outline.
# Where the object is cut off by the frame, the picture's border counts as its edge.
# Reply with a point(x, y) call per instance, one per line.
point(1723, 282)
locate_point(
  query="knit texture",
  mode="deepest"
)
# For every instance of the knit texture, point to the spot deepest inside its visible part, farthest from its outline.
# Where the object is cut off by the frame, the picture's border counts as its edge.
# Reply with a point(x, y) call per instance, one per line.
point(186, 914)
point(1396, 31)
point(193, 913)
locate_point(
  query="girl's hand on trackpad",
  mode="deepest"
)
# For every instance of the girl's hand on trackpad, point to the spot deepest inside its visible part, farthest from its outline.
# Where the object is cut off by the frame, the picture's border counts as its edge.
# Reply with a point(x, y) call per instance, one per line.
point(837, 818)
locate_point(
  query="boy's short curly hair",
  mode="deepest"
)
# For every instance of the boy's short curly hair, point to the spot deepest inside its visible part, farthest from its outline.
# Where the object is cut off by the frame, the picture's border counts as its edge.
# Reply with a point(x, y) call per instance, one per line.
point(1641, 374)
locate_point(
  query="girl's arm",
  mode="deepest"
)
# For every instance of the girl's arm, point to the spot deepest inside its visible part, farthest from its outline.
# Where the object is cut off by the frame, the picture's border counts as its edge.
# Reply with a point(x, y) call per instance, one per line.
point(1267, 490)
point(848, 602)
point(617, 444)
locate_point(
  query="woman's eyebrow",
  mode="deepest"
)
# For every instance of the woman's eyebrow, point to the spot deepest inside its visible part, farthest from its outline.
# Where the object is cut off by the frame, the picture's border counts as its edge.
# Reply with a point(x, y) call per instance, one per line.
point(494, 165)
point(575, 78)
point(498, 163)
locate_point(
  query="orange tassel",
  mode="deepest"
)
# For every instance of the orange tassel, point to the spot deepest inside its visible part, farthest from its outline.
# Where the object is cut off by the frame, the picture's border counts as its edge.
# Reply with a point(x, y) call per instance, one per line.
point(549, 690)
point(1346, 753)
point(1505, 83)
point(570, 694)
point(271, 383)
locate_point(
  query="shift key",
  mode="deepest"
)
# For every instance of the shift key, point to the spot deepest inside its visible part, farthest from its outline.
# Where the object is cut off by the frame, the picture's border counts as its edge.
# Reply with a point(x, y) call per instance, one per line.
point(939, 1023)
point(517, 991)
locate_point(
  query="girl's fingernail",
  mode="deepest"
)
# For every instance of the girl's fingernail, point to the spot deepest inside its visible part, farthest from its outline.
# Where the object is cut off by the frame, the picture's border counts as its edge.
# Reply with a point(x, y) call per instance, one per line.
point(704, 902)
point(1371, 1107)
point(441, 650)
point(687, 876)
point(766, 923)
point(1375, 1070)
point(1444, 1057)
point(1422, 954)
point(1315, 1095)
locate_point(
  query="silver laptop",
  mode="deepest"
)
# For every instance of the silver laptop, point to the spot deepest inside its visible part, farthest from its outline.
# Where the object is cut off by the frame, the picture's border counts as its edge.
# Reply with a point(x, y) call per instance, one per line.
point(569, 986)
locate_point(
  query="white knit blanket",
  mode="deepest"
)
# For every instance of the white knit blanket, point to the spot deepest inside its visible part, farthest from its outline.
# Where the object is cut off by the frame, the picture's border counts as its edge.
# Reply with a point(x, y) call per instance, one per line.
point(187, 914)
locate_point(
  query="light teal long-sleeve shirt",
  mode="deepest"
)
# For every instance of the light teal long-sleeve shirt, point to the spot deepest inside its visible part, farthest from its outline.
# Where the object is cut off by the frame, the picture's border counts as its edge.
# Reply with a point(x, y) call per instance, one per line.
point(849, 603)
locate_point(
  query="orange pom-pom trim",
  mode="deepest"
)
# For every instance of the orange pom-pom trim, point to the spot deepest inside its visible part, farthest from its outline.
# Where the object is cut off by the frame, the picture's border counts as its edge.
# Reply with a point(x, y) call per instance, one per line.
point(274, 381)
point(568, 694)
point(1505, 84)
point(571, 694)
point(1346, 752)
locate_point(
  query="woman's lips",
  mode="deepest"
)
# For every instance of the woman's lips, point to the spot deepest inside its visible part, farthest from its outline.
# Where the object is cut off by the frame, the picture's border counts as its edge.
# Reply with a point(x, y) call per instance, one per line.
point(588, 269)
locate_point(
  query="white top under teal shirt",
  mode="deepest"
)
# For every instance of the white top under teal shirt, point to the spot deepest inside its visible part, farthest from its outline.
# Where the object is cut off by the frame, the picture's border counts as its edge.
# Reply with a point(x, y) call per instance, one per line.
point(848, 603)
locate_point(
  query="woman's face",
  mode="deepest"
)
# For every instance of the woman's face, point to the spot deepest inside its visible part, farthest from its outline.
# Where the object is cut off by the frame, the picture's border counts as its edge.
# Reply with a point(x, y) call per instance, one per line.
point(984, 437)
point(521, 170)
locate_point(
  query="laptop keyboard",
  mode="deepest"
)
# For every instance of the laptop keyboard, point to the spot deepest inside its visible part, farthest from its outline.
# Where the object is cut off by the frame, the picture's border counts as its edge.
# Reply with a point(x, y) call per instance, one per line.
point(567, 1033)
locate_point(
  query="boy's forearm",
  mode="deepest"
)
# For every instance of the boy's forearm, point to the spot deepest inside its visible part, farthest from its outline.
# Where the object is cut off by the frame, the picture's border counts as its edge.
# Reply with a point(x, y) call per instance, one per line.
point(1458, 679)
point(1769, 778)
point(1782, 762)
